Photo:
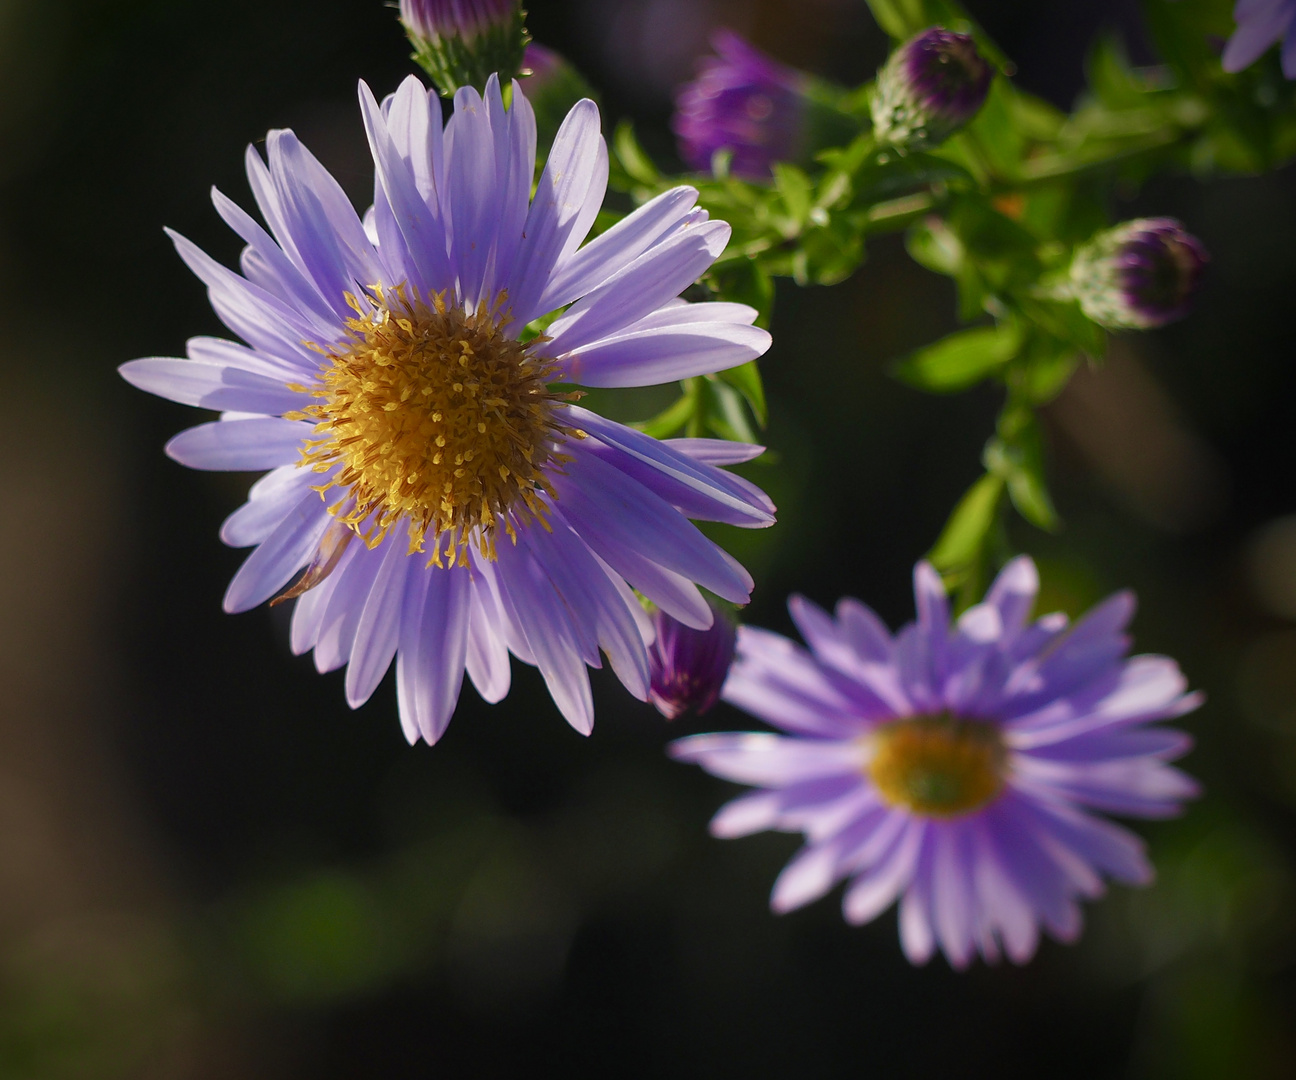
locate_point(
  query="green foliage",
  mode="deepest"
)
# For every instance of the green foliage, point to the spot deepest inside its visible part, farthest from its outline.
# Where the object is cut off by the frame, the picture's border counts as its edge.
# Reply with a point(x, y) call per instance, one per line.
point(1000, 209)
point(961, 360)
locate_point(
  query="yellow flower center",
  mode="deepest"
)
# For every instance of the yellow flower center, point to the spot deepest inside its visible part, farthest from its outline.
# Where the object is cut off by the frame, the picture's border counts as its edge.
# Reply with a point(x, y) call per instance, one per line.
point(437, 417)
point(938, 766)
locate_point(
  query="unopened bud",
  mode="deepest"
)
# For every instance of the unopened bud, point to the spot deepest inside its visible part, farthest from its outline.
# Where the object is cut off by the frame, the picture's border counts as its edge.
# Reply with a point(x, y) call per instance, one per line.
point(1138, 275)
point(463, 42)
point(930, 87)
point(688, 667)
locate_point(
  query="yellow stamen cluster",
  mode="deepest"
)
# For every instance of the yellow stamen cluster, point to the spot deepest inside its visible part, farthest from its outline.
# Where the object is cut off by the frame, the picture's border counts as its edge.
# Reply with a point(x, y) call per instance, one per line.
point(938, 766)
point(437, 417)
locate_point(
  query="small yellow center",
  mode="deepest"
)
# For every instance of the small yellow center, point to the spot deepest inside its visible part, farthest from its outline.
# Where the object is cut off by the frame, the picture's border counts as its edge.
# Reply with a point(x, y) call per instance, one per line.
point(435, 416)
point(938, 766)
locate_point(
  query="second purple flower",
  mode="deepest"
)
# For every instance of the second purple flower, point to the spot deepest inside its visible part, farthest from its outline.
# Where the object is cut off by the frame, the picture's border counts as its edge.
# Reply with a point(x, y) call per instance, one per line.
point(960, 769)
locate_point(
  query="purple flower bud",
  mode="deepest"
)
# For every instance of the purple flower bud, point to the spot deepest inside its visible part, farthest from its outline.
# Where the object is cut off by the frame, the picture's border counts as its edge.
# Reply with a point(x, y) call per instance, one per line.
point(462, 42)
point(930, 87)
point(689, 666)
point(743, 101)
point(463, 19)
point(1138, 275)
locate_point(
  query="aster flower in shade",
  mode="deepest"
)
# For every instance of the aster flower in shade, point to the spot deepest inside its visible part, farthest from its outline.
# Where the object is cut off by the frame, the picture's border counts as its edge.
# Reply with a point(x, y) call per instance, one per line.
point(929, 87)
point(1260, 24)
point(1139, 275)
point(688, 666)
point(745, 101)
point(956, 768)
point(443, 496)
point(462, 42)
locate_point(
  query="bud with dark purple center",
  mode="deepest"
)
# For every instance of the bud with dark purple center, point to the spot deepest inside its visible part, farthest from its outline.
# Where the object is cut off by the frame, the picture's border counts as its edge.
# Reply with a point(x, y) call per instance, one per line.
point(748, 103)
point(1138, 275)
point(463, 42)
point(930, 87)
point(688, 666)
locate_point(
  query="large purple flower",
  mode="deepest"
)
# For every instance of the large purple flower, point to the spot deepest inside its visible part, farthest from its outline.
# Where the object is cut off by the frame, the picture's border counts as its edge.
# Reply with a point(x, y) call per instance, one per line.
point(449, 501)
point(954, 767)
point(1260, 24)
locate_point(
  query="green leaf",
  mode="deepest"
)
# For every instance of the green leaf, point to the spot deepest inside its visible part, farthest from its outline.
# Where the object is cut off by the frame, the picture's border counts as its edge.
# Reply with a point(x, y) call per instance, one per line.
point(933, 244)
point(746, 379)
point(961, 360)
point(796, 189)
point(745, 281)
point(899, 18)
point(721, 412)
point(1017, 455)
point(964, 537)
point(637, 164)
point(1063, 319)
point(670, 420)
point(889, 173)
point(1048, 371)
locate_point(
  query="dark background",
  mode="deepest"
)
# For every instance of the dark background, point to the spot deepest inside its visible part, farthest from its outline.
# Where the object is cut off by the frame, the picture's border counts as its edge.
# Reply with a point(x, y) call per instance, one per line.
point(210, 867)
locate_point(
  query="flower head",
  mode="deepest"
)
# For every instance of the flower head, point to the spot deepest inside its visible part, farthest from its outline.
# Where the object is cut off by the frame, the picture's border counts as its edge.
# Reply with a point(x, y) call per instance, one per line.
point(461, 42)
point(689, 666)
point(956, 768)
point(744, 101)
point(1260, 24)
point(929, 87)
point(1138, 275)
point(434, 481)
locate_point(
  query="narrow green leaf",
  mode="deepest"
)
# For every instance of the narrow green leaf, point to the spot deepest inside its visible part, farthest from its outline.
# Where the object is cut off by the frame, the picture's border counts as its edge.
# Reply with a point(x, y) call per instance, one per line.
point(721, 411)
point(965, 535)
point(636, 163)
point(746, 379)
point(1017, 455)
point(796, 189)
point(669, 421)
point(1063, 319)
point(961, 360)
point(933, 244)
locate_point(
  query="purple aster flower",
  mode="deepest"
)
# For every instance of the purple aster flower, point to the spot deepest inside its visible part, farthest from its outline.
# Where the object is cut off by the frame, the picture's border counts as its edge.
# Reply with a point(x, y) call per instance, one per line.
point(1139, 275)
point(746, 102)
point(955, 768)
point(689, 666)
point(432, 474)
point(929, 87)
point(1261, 23)
point(461, 42)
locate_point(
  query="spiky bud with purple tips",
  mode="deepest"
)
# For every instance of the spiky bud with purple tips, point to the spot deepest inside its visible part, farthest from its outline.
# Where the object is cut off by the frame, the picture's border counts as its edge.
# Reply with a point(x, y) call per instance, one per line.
point(463, 42)
point(688, 667)
point(760, 110)
point(930, 87)
point(1138, 275)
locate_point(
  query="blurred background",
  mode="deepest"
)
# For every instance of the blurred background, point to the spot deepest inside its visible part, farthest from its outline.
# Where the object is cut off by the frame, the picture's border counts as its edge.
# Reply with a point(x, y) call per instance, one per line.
point(211, 868)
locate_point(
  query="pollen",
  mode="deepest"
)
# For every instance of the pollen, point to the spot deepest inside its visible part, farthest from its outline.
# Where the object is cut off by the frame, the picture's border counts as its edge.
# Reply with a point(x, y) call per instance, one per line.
point(436, 417)
point(938, 766)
